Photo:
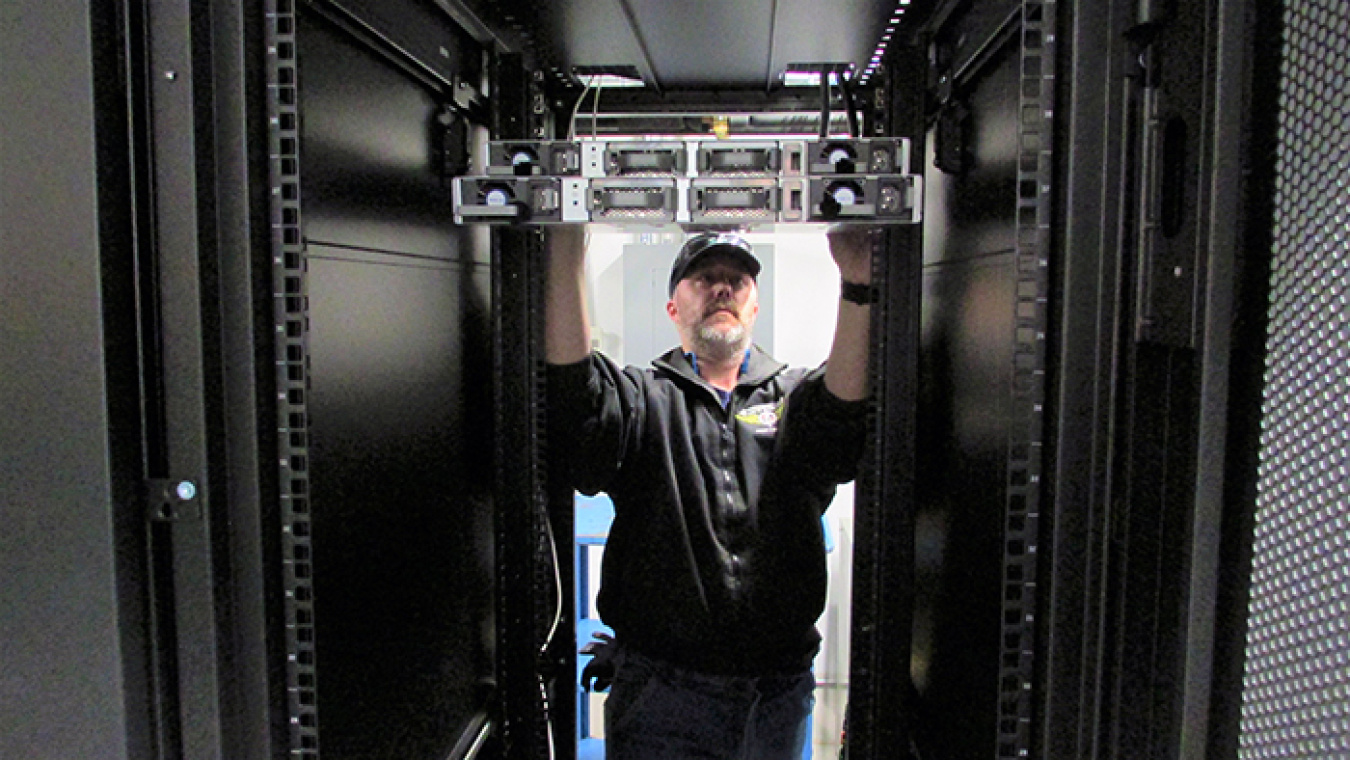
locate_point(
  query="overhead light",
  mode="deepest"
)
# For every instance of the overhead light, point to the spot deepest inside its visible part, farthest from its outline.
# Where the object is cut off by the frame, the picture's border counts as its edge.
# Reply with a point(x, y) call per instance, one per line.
point(608, 76)
point(608, 81)
point(806, 78)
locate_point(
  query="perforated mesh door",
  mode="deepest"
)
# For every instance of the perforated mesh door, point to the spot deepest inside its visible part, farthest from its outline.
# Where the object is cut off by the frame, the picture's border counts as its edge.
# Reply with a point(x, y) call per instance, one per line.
point(1296, 693)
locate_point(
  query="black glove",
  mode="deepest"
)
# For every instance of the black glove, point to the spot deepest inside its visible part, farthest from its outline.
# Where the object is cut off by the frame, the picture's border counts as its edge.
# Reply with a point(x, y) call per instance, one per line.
point(600, 669)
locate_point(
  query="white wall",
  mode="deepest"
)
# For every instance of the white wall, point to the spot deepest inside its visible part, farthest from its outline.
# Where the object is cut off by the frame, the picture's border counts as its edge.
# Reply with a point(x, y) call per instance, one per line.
point(604, 272)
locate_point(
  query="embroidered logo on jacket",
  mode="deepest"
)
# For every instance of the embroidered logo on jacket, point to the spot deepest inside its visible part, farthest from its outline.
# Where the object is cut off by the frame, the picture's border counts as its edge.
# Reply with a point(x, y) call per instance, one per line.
point(763, 417)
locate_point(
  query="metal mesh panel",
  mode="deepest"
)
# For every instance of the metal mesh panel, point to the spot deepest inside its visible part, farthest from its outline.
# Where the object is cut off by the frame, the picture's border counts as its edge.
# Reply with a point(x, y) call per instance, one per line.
point(1296, 692)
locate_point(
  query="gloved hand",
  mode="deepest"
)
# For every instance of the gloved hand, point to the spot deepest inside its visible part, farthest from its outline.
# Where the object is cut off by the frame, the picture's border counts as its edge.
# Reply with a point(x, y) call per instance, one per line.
point(600, 669)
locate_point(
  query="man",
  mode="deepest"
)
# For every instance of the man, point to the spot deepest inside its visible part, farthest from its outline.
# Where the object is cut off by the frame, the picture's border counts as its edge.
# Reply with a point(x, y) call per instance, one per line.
point(720, 462)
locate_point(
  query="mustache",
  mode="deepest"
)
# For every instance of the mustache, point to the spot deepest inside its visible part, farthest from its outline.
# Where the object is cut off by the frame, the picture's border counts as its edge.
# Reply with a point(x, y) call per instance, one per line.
point(717, 306)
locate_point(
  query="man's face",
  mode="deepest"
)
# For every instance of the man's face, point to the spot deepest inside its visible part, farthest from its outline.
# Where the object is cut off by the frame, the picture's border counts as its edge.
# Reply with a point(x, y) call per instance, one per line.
point(714, 307)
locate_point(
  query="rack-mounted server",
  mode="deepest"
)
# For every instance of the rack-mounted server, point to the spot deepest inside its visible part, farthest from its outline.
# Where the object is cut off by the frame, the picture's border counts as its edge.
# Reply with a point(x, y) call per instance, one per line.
point(692, 181)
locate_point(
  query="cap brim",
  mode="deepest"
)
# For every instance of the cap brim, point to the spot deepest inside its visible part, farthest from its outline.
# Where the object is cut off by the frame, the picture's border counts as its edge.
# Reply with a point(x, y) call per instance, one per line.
point(746, 258)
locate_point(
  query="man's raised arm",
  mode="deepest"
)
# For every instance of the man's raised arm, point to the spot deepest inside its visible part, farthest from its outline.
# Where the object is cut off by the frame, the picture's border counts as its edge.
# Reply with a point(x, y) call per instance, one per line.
point(567, 333)
point(846, 373)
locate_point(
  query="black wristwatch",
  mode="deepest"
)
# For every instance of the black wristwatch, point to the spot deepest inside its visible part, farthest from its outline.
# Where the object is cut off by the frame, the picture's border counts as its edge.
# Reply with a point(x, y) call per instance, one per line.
point(856, 292)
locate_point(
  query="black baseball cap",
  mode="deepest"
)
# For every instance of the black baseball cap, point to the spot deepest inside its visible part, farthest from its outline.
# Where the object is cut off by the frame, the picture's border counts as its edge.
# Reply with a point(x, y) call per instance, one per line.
point(705, 243)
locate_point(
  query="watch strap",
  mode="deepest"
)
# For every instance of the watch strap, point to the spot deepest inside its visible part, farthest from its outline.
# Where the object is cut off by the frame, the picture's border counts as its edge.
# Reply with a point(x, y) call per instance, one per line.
point(856, 292)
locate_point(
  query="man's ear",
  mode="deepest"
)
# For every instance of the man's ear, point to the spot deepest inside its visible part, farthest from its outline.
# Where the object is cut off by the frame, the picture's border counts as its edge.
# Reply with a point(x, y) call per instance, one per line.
point(672, 311)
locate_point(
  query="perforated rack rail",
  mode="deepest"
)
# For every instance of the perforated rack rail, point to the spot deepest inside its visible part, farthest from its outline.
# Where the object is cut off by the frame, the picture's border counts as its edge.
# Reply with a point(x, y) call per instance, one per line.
point(291, 325)
point(1025, 446)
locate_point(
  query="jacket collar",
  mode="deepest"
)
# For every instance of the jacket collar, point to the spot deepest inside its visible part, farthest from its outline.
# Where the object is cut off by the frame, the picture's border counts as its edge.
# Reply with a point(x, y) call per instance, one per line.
point(760, 368)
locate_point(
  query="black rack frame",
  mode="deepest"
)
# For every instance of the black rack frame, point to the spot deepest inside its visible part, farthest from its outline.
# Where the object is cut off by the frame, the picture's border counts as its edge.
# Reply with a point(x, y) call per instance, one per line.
point(1026, 446)
point(291, 330)
point(527, 693)
point(879, 688)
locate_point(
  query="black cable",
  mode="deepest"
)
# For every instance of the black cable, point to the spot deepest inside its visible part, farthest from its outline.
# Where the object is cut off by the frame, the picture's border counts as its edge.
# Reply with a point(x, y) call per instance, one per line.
point(846, 87)
point(825, 102)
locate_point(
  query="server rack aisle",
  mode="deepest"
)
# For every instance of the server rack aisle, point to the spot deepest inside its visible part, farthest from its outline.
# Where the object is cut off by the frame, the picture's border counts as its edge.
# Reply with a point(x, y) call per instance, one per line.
point(272, 481)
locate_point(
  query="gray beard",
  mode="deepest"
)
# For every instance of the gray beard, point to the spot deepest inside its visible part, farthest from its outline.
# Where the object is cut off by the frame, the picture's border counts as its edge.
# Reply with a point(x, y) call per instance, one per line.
point(721, 345)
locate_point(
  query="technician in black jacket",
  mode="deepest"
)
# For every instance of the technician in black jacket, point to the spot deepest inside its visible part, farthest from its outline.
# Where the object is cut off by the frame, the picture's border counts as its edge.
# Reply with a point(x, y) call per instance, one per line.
point(720, 462)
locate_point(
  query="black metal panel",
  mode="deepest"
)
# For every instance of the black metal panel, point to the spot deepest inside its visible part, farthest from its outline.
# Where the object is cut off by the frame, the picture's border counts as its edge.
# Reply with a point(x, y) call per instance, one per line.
point(1152, 529)
point(970, 304)
point(178, 248)
point(371, 170)
point(399, 442)
point(418, 31)
point(383, 371)
point(1158, 550)
point(254, 719)
point(744, 45)
point(1173, 42)
point(63, 692)
point(972, 214)
point(681, 41)
point(185, 611)
point(1250, 281)
point(964, 425)
point(1087, 331)
point(121, 208)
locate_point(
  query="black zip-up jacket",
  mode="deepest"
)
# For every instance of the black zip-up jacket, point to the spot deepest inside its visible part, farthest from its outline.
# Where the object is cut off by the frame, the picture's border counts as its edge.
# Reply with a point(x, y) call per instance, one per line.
point(716, 558)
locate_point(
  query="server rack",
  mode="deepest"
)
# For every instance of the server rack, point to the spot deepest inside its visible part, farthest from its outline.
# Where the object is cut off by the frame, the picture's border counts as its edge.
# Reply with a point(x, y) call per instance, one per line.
point(1157, 298)
point(381, 324)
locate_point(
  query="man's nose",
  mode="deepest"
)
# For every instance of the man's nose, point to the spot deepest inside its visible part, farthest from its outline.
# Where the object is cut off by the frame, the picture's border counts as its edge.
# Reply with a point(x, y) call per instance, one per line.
point(721, 288)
